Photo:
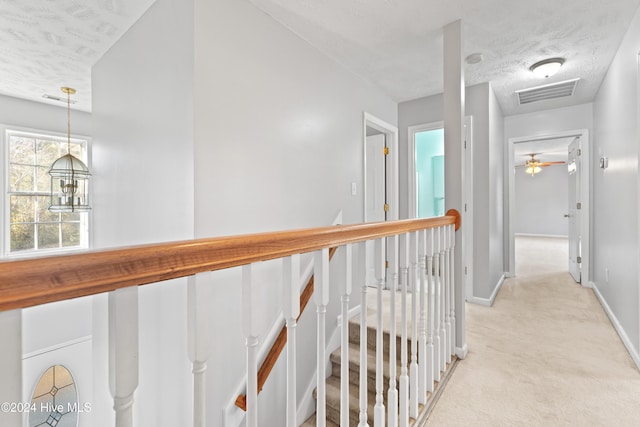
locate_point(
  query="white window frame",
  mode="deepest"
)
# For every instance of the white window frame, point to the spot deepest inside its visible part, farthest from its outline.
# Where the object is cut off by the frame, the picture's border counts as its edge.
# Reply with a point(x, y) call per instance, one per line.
point(5, 217)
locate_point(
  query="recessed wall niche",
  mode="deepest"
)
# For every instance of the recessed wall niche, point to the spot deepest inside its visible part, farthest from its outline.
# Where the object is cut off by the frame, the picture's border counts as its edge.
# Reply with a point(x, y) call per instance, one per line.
point(55, 399)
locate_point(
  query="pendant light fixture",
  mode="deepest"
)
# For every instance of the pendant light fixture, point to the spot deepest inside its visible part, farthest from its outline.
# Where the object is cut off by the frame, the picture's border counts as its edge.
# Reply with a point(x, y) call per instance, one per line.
point(69, 175)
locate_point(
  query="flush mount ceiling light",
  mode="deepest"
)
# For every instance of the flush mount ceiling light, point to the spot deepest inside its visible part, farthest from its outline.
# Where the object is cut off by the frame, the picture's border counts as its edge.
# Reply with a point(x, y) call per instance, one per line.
point(547, 68)
point(69, 176)
point(474, 58)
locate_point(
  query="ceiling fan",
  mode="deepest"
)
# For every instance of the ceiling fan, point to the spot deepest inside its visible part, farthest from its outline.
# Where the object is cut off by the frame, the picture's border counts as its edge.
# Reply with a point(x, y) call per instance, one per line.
point(534, 166)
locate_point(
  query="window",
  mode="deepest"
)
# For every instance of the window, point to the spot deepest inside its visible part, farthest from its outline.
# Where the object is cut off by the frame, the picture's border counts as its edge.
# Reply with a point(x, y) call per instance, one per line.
point(31, 226)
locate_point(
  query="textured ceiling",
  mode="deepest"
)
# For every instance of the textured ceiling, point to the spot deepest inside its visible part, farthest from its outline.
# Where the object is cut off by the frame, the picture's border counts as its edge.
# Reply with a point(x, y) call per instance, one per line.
point(47, 44)
point(397, 44)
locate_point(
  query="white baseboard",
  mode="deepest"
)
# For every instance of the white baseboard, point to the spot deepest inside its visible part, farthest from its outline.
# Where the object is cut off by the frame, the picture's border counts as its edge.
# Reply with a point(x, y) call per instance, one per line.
point(553, 236)
point(488, 302)
point(461, 352)
point(617, 326)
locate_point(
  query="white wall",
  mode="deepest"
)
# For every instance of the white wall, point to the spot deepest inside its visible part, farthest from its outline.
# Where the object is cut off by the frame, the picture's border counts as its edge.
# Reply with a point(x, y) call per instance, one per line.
point(37, 115)
point(548, 122)
point(497, 226)
point(487, 163)
point(278, 143)
point(615, 190)
point(143, 182)
point(542, 201)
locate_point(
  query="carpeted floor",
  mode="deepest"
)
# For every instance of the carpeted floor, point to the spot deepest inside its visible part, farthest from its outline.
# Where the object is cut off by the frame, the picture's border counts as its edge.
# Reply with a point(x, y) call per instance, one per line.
point(544, 355)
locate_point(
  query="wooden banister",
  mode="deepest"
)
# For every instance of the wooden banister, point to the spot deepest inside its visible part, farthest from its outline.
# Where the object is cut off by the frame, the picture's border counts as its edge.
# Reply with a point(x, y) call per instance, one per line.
point(25, 283)
point(278, 345)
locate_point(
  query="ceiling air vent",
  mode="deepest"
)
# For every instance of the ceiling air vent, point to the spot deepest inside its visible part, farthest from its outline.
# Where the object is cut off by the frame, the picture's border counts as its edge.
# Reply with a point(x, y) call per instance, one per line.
point(550, 91)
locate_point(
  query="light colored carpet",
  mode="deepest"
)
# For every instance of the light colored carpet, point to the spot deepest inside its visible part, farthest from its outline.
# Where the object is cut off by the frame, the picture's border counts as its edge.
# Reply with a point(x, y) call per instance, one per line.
point(544, 355)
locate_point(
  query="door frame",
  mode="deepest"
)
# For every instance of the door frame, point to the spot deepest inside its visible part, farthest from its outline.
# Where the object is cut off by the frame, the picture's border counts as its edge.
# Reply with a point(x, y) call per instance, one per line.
point(391, 136)
point(467, 191)
point(585, 189)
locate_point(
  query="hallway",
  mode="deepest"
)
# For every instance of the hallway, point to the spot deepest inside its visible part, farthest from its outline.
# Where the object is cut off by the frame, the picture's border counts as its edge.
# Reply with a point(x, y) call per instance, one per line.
point(544, 355)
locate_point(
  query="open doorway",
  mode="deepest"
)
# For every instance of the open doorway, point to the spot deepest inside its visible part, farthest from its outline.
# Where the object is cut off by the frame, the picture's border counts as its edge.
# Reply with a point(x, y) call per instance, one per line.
point(548, 199)
point(380, 141)
point(426, 182)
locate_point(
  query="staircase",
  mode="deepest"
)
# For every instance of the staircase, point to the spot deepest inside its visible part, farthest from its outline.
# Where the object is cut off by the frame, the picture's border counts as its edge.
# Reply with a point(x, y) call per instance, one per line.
point(333, 381)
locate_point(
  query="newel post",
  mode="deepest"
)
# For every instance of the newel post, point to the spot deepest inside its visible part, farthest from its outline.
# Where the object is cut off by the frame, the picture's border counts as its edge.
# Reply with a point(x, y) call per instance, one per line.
point(454, 107)
point(291, 311)
point(321, 294)
point(250, 326)
point(123, 352)
point(199, 298)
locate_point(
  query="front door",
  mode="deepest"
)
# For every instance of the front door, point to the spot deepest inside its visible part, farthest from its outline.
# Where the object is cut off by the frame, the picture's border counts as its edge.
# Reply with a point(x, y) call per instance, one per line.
point(575, 206)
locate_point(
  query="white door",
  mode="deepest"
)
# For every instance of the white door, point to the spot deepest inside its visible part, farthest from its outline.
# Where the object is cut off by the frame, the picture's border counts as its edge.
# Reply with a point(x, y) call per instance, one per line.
point(375, 199)
point(375, 179)
point(574, 209)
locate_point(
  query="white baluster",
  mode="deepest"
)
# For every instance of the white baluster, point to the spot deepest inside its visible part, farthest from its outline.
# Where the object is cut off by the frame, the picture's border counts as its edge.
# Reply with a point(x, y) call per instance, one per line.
point(413, 368)
point(123, 352)
point(452, 237)
point(436, 311)
point(444, 345)
point(431, 309)
point(422, 342)
point(321, 294)
point(404, 373)
point(378, 411)
point(11, 362)
point(199, 297)
point(250, 328)
point(392, 393)
point(344, 343)
point(364, 247)
point(449, 287)
point(291, 310)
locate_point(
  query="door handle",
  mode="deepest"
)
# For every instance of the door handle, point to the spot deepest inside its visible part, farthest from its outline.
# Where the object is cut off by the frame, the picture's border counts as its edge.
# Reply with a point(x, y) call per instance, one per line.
point(567, 215)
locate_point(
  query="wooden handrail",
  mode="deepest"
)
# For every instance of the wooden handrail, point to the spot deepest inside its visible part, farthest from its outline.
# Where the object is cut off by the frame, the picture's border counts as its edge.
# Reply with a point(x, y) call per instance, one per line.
point(25, 283)
point(278, 345)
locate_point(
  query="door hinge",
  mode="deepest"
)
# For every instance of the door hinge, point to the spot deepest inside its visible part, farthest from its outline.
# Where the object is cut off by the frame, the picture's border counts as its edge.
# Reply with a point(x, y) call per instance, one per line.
point(579, 260)
point(386, 151)
point(386, 207)
point(465, 144)
point(579, 152)
point(578, 205)
point(465, 270)
point(386, 264)
point(465, 207)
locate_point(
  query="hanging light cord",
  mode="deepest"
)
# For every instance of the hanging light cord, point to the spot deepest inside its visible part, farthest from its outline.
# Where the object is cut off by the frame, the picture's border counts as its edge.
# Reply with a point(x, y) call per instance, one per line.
point(69, 91)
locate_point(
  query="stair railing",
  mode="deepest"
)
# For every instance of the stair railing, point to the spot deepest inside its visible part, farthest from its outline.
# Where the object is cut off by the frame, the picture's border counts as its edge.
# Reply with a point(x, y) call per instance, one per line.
point(26, 283)
point(281, 340)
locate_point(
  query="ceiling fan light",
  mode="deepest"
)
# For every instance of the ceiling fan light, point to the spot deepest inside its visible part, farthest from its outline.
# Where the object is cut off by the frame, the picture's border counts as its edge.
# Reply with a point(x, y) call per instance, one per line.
point(532, 170)
point(547, 68)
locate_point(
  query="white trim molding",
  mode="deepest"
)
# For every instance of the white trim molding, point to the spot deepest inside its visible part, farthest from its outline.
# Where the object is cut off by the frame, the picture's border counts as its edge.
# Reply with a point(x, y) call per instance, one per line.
point(617, 326)
point(585, 188)
point(391, 134)
point(488, 302)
